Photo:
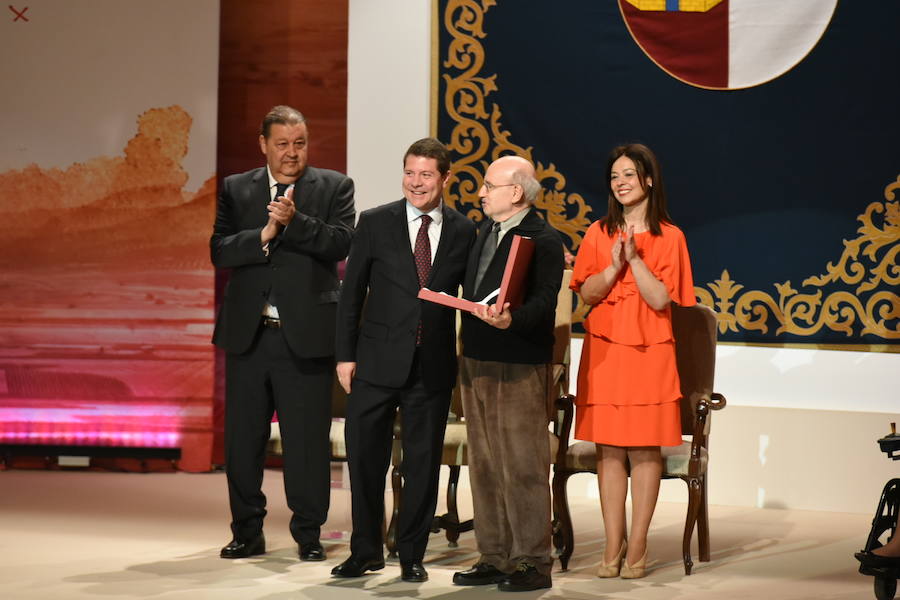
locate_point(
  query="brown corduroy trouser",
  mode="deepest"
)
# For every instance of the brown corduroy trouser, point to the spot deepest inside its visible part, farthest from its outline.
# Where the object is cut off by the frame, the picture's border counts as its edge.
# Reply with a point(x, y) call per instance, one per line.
point(505, 407)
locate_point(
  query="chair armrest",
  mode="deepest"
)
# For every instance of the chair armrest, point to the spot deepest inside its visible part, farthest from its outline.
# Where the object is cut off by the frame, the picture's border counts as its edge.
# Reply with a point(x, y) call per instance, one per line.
point(714, 401)
point(717, 401)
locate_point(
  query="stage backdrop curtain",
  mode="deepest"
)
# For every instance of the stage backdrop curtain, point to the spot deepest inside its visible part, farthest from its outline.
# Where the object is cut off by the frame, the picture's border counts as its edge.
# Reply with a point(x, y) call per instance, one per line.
point(107, 196)
point(123, 117)
point(776, 124)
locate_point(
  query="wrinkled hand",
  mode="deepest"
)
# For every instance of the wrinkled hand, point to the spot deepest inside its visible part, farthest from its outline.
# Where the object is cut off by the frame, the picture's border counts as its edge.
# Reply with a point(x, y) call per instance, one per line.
point(493, 317)
point(345, 372)
point(282, 208)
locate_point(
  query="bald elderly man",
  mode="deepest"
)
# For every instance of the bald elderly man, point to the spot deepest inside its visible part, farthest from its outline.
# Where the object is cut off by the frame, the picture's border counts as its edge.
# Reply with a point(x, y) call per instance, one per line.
point(503, 379)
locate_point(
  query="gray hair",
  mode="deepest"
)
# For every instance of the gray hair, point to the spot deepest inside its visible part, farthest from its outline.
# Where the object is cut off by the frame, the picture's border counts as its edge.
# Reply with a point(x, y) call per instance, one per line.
point(530, 186)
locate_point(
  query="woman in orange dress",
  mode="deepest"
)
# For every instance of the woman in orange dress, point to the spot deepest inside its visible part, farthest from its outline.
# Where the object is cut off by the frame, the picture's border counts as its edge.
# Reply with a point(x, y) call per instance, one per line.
point(631, 265)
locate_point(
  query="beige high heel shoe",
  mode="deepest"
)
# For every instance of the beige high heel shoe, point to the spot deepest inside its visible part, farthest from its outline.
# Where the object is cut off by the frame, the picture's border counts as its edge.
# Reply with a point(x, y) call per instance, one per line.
point(611, 569)
point(635, 571)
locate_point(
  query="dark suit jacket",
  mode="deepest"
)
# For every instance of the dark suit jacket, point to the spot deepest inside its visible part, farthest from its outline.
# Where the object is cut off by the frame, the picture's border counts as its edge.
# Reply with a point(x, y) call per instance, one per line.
point(301, 268)
point(379, 312)
point(529, 338)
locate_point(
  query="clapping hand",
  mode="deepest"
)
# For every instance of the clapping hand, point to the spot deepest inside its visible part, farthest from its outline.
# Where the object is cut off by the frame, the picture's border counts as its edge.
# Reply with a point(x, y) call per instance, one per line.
point(623, 249)
point(617, 253)
point(629, 249)
point(282, 209)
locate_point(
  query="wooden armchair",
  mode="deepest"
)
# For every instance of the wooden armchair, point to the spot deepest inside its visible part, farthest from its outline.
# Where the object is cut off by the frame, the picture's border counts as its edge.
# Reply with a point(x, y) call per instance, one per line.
point(695, 349)
point(455, 454)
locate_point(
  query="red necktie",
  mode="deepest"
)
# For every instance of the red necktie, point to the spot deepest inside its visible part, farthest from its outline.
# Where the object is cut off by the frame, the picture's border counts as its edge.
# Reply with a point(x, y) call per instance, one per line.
point(422, 256)
point(422, 251)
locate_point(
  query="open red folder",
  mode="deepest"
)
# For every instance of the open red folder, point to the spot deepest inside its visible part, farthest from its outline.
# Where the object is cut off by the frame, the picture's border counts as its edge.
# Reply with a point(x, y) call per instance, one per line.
point(512, 286)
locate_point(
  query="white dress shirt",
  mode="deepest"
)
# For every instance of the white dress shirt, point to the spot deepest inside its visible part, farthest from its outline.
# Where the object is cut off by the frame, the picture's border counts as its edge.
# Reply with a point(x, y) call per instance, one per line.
point(413, 223)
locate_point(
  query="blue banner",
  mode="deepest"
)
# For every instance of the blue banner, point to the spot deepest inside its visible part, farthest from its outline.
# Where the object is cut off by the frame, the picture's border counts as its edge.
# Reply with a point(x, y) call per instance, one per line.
point(777, 131)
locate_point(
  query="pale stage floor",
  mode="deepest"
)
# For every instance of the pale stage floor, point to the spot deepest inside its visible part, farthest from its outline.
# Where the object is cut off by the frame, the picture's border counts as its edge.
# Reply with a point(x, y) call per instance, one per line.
point(72, 535)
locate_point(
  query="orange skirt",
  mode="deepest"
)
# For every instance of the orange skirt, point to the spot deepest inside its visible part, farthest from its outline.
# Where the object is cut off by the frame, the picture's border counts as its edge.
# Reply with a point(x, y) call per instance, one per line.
point(626, 426)
point(628, 395)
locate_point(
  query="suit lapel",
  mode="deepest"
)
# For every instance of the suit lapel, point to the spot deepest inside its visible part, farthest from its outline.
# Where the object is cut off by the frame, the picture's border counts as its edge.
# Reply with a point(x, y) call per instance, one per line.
point(400, 238)
point(304, 190)
point(259, 192)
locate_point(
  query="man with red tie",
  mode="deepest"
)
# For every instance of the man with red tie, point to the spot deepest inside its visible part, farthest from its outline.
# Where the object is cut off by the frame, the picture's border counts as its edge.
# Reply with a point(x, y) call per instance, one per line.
point(396, 351)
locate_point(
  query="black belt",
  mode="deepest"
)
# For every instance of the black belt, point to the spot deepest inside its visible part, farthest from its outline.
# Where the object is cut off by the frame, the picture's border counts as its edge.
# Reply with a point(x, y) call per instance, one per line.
point(271, 323)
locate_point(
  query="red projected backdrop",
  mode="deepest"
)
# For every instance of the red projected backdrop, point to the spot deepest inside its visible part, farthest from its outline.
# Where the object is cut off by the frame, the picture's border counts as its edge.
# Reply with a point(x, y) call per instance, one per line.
point(107, 200)
point(107, 300)
point(106, 204)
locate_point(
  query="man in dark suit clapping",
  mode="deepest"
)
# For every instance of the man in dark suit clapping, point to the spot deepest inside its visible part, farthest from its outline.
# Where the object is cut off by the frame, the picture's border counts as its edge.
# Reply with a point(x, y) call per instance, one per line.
point(394, 350)
point(281, 229)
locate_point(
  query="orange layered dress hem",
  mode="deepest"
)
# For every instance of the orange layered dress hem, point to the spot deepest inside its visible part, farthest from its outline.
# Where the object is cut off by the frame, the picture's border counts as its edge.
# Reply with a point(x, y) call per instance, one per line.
point(629, 426)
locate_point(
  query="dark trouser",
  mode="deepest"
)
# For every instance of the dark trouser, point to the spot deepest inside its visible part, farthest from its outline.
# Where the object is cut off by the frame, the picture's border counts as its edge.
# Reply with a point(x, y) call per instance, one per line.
point(371, 411)
point(268, 378)
point(505, 406)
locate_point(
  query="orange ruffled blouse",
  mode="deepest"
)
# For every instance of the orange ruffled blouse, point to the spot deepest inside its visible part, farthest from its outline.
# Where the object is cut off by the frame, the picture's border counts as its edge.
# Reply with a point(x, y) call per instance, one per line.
point(628, 387)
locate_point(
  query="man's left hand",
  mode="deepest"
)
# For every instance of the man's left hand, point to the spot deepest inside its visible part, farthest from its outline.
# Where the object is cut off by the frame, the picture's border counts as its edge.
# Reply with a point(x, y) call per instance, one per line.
point(282, 209)
point(493, 317)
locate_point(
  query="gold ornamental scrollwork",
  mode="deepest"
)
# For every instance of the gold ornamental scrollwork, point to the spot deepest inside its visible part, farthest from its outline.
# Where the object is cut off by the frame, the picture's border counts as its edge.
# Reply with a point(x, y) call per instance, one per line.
point(868, 262)
point(478, 136)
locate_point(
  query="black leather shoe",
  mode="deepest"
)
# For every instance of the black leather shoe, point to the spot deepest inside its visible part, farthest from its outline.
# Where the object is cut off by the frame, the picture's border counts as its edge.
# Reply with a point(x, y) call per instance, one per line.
point(356, 566)
point(312, 551)
point(524, 579)
point(480, 574)
point(413, 572)
point(242, 549)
